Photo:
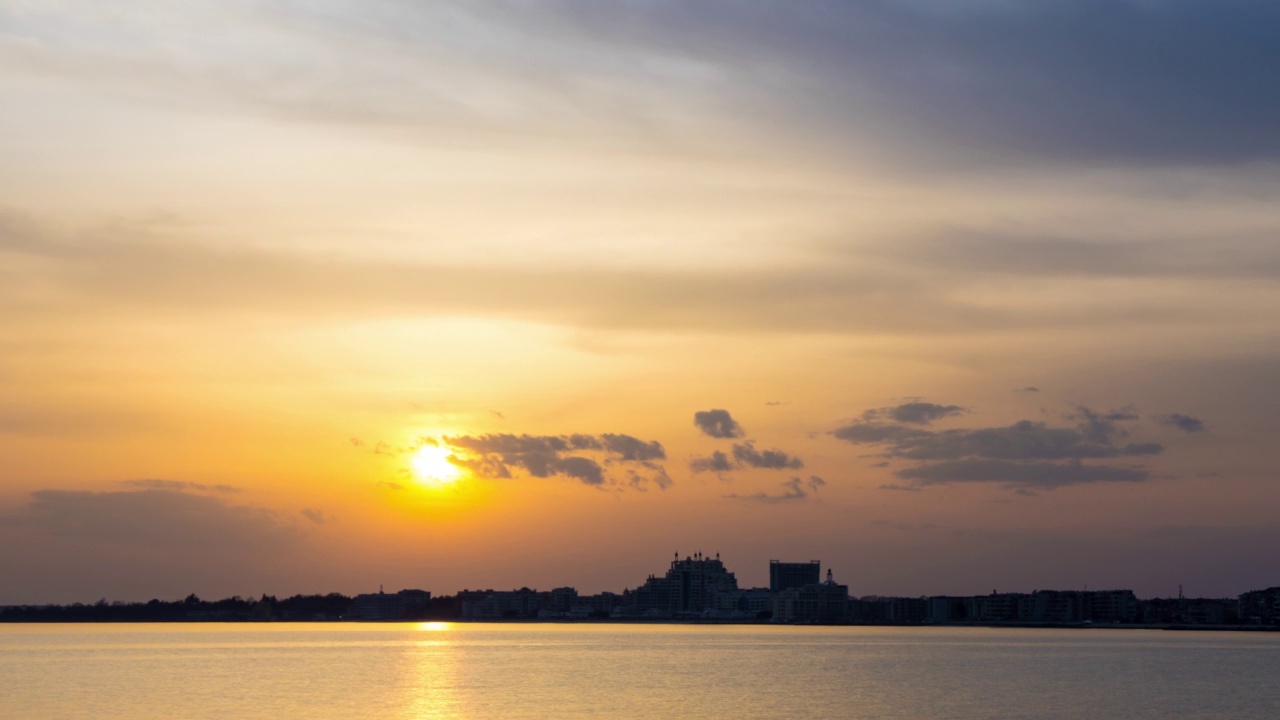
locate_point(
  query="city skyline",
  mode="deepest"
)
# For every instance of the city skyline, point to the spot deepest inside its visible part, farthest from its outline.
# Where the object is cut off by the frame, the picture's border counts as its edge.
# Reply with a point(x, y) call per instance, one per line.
point(952, 295)
point(700, 588)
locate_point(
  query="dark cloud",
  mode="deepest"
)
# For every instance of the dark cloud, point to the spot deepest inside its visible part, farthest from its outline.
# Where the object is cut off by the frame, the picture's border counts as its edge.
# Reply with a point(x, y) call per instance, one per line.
point(916, 413)
point(316, 516)
point(630, 448)
point(181, 485)
point(1102, 428)
point(1024, 440)
point(715, 462)
point(1025, 455)
point(542, 456)
point(1076, 80)
point(794, 489)
point(873, 433)
point(746, 454)
point(1107, 81)
point(1028, 389)
point(717, 424)
point(1185, 423)
point(153, 517)
point(580, 468)
point(1029, 475)
point(657, 475)
point(136, 544)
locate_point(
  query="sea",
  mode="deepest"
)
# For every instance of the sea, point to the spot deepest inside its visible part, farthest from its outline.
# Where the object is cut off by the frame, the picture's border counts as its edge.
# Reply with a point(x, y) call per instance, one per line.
point(403, 671)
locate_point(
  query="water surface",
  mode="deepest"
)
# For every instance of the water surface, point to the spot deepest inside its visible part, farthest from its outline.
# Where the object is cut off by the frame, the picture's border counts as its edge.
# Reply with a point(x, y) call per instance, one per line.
point(434, 670)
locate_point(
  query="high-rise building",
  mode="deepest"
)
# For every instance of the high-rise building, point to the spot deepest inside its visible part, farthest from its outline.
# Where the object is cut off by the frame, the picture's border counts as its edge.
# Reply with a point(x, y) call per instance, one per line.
point(690, 586)
point(786, 575)
point(826, 602)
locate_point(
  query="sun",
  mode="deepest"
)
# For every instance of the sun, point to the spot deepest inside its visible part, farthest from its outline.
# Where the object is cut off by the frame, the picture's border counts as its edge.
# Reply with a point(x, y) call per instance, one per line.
point(432, 465)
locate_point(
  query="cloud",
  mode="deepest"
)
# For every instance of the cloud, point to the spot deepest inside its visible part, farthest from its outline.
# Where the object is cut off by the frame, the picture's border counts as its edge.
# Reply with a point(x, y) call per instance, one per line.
point(916, 413)
point(1014, 474)
point(152, 517)
point(1044, 255)
point(570, 456)
point(316, 516)
point(904, 488)
point(1101, 81)
point(1185, 423)
point(112, 272)
point(182, 485)
point(745, 454)
point(581, 468)
point(715, 462)
point(629, 448)
point(873, 433)
point(1027, 454)
point(717, 424)
point(1027, 389)
point(1023, 440)
point(156, 542)
point(1102, 428)
point(794, 489)
point(657, 475)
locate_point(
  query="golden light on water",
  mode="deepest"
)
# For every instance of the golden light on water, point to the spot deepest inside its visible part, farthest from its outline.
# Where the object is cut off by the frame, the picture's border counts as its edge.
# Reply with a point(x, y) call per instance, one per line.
point(432, 465)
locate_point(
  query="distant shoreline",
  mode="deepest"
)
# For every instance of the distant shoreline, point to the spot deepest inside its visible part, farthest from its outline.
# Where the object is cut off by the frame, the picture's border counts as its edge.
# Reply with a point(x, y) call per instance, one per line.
point(668, 621)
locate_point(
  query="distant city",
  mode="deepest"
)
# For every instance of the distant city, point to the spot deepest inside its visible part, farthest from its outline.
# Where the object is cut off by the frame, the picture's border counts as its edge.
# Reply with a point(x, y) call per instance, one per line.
point(699, 588)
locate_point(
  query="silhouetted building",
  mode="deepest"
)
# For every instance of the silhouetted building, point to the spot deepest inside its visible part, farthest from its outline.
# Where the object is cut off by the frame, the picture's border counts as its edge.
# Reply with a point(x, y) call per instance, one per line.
point(870, 610)
point(1261, 606)
point(501, 604)
point(950, 609)
point(1110, 606)
point(1005, 607)
point(785, 575)
point(691, 586)
point(386, 606)
point(909, 611)
point(756, 603)
point(600, 605)
point(826, 602)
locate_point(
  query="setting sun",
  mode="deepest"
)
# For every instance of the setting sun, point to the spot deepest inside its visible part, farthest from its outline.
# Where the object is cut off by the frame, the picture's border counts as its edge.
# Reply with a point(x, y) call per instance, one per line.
point(432, 465)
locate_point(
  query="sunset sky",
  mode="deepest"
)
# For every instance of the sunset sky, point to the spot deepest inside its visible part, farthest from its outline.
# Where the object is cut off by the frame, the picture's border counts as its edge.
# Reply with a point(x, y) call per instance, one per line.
point(952, 296)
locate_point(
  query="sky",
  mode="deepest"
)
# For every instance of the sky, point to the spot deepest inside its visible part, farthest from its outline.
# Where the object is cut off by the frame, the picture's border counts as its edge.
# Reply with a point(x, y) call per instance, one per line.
point(953, 296)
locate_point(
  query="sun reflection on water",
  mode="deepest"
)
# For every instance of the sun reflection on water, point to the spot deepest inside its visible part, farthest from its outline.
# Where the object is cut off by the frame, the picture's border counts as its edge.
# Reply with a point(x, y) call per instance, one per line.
point(433, 675)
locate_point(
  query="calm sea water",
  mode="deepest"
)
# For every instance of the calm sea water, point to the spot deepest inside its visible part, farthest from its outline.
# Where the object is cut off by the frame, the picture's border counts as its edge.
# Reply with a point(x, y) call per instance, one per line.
point(433, 670)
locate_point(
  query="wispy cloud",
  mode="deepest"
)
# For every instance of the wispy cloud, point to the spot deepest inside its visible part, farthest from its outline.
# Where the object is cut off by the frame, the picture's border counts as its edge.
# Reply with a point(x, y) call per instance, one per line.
point(1186, 423)
point(794, 490)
